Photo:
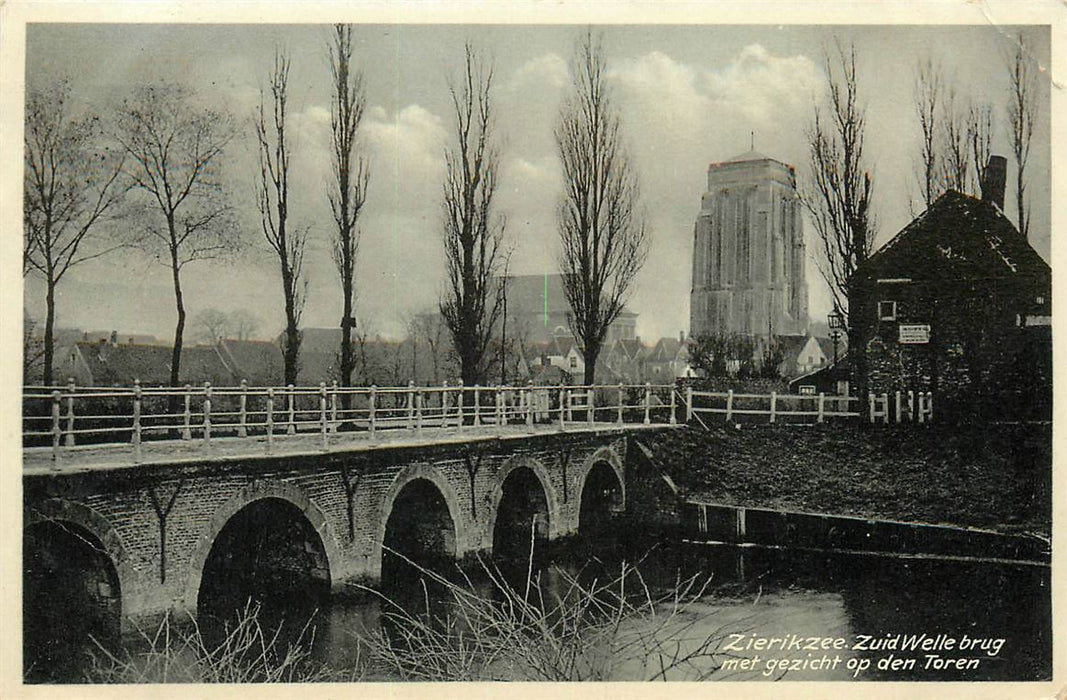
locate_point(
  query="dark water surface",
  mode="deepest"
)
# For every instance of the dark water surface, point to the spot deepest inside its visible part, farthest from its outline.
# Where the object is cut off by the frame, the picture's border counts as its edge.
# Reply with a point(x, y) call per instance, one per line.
point(877, 606)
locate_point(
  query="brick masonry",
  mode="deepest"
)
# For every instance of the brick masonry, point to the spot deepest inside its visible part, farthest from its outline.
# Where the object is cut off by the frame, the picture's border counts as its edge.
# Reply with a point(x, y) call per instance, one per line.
point(346, 497)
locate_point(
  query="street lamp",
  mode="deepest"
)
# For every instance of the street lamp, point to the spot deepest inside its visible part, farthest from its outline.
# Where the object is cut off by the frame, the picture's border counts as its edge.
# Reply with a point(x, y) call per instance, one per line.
point(837, 324)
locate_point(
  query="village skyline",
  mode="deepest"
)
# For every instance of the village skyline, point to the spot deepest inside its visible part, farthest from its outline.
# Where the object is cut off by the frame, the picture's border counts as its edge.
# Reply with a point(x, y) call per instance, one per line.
point(688, 96)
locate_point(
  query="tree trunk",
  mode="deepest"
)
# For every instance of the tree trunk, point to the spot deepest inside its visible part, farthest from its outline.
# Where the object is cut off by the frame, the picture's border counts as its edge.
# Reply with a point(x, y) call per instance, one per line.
point(179, 328)
point(292, 332)
point(591, 353)
point(347, 358)
point(49, 323)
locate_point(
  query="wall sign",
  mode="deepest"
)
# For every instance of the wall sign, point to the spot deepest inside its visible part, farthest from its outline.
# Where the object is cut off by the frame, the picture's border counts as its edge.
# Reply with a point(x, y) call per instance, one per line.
point(914, 333)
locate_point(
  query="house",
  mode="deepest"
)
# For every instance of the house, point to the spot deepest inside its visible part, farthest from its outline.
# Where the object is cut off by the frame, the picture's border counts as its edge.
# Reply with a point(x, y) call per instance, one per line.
point(956, 303)
point(801, 354)
point(537, 308)
point(830, 379)
point(625, 357)
point(108, 364)
point(668, 360)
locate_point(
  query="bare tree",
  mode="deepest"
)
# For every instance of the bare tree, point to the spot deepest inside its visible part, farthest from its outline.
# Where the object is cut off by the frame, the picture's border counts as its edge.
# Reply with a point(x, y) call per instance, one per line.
point(348, 192)
point(980, 137)
point(473, 230)
point(211, 325)
point(839, 198)
point(286, 241)
point(928, 95)
point(1021, 115)
point(174, 148)
point(70, 186)
point(243, 324)
point(955, 160)
point(603, 236)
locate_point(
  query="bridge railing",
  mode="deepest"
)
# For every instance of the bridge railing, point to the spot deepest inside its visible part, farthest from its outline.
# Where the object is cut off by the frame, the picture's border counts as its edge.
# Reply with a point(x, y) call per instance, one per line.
point(66, 417)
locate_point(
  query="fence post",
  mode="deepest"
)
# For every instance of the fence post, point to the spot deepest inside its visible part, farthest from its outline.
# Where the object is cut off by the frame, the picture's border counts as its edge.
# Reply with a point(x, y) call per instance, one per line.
point(570, 406)
point(729, 405)
point(590, 402)
point(885, 407)
point(562, 407)
point(242, 419)
point(71, 387)
point(459, 403)
point(57, 429)
point(419, 396)
point(323, 423)
point(411, 404)
point(930, 405)
point(648, 402)
point(870, 403)
point(619, 407)
point(373, 408)
point(333, 408)
point(898, 405)
point(270, 419)
point(477, 405)
point(774, 404)
point(444, 404)
point(688, 402)
point(529, 402)
point(911, 405)
point(498, 407)
point(291, 429)
point(674, 404)
point(822, 399)
point(207, 414)
point(187, 433)
point(137, 421)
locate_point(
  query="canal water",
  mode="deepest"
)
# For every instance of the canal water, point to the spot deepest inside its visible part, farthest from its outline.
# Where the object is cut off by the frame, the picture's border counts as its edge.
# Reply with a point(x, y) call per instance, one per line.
point(787, 616)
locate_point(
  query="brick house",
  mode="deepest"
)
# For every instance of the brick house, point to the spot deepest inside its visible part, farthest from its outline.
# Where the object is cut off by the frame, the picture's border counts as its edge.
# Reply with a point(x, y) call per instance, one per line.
point(957, 303)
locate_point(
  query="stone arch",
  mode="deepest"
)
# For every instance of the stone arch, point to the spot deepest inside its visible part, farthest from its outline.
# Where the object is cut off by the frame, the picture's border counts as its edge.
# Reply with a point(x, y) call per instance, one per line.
point(61, 510)
point(494, 497)
point(604, 455)
point(410, 473)
point(257, 491)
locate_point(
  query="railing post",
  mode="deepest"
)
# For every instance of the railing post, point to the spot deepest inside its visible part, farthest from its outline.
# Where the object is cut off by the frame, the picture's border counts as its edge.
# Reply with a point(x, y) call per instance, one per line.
point(674, 404)
point(911, 405)
point(136, 421)
point(729, 405)
point(323, 423)
point(688, 402)
point(373, 409)
point(419, 396)
point(291, 429)
point(498, 407)
point(885, 407)
point(333, 407)
point(187, 432)
point(242, 424)
point(870, 402)
point(590, 403)
point(270, 419)
point(411, 404)
point(207, 414)
point(562, 407)
point(477, 405)
point(57, 429)
point(822, 399)
point(930, 405)
point(444, 404)
point(619, 407)
point(459, 403)
point(774, 404)
point(529, 402)
point(71, 388)
point(570, 406)
point(648, 402)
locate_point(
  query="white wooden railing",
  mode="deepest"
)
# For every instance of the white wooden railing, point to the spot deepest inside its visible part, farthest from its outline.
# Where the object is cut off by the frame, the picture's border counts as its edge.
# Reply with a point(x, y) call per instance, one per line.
point(63, 417)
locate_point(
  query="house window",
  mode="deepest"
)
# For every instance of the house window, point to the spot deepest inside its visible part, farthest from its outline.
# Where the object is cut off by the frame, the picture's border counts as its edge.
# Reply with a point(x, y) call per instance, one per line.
point(1041, 300)
point(807, 390)
point(887, 311)
point(574, 362)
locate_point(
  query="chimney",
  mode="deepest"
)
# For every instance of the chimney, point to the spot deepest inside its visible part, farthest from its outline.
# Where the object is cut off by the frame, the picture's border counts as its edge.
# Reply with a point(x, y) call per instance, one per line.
point(681, 337)
point(114, 338)
point(993, 180)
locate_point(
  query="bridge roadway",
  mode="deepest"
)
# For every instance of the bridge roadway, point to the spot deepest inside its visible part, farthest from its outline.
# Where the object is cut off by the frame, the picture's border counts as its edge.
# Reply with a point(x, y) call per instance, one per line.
point(168, 531)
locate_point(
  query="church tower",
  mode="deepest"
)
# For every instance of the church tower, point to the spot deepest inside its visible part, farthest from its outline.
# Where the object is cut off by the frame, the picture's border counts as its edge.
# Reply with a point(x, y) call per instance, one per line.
point(748, 251)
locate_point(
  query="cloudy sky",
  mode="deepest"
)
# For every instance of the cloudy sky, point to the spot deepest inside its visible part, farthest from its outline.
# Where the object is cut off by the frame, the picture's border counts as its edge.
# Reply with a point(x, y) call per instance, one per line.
point(689, 95)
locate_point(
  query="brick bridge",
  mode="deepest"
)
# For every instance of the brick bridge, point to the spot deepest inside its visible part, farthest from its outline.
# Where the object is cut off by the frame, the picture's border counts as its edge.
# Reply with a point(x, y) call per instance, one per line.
point(137, 539)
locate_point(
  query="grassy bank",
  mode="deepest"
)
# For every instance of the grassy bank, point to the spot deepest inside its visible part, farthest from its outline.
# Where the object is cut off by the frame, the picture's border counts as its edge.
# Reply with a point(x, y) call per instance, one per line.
point(995, 477)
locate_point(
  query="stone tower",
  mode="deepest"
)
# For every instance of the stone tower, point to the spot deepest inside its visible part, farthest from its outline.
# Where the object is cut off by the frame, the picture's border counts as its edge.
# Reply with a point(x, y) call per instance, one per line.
point(748, 251)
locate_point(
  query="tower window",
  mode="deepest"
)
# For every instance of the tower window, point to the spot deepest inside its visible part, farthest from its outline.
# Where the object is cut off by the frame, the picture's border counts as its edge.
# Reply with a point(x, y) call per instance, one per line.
point(887, 311)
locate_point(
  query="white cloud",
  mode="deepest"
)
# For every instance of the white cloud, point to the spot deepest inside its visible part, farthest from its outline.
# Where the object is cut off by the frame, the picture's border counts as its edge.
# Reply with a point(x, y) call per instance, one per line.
point(549, 70)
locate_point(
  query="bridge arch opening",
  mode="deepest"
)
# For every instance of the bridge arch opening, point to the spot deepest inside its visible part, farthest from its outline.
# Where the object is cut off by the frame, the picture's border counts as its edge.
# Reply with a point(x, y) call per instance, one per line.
point(70, 596)
point(602, 498)
point(267, 555)
point(419, 534)
point(522, 514)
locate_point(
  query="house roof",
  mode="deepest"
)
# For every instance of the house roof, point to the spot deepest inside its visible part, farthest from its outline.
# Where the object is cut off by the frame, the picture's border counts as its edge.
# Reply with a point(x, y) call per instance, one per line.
point(666, 350)
point(631, 348)
point(122, 364)
point(259, 362)
point(957, 237)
